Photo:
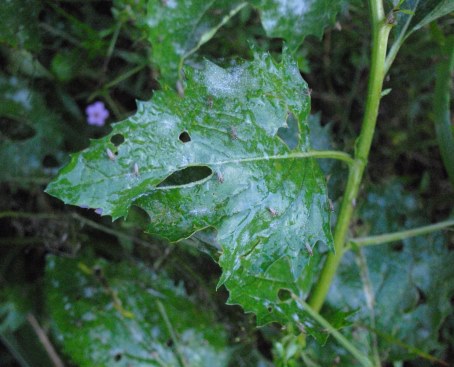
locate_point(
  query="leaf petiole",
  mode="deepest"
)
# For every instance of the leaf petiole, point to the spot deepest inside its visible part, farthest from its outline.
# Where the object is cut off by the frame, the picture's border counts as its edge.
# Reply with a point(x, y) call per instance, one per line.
point(362, 358)
point(400, 235)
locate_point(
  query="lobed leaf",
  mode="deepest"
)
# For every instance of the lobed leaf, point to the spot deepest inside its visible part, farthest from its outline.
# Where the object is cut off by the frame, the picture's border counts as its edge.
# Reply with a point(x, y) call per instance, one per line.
point(125, 315)
point(408, 285)
point(177, 28)
point(293, 20)
point(215, 159)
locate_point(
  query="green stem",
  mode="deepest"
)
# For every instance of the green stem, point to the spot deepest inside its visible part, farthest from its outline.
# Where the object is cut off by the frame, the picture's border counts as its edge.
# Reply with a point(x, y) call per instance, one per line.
point(370, 302)
point(441, 106)
point(104, 89)
point(398, 236)
point(172, 333)
point(112, 44)
point(81, 219)
point(380, 31)
point(337, 335)
point(13, 214)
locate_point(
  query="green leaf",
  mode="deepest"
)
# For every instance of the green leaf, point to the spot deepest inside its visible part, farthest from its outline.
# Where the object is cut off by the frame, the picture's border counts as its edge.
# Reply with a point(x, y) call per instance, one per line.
point(108, 314)
point(409, 287)
point(442, 106)
point(178, 28)
point(215, 159)
point(415, 14)
point(30, 134)
point(293, 20)
point(14, 307)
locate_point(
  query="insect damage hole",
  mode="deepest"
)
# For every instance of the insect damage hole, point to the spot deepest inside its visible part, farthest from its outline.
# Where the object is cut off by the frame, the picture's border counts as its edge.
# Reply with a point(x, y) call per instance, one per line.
point(187, 175)
point(184, 137)
point(16, 129)
point(117, 139)
point(290, 134)
point(284, 295)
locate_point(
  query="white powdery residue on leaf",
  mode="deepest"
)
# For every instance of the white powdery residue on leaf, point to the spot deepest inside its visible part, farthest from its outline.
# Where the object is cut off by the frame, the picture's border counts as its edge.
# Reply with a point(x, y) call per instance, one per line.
point(221, 82)
point(294, 7)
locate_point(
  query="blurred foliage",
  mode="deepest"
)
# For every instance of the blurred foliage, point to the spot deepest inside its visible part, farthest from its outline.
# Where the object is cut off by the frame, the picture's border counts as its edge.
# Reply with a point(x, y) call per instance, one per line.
point(124, 314)
point(400, 293)
point(57, 57)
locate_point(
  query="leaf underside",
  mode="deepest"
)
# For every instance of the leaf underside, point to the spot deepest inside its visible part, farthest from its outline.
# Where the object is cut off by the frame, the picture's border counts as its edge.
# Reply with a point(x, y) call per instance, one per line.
point(266, 207)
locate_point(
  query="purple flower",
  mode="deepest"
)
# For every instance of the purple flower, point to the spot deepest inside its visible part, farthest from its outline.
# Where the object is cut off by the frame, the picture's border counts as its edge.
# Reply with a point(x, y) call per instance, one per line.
point(96, 114)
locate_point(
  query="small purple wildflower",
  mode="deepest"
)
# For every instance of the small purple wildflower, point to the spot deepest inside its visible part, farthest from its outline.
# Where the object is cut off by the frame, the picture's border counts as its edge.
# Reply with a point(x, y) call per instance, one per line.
point(98, 211)
point(96, 114)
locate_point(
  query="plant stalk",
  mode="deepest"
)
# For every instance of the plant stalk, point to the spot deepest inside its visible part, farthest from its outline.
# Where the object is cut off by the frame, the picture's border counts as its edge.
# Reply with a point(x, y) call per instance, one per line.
point(362, 358)
point(400, 235)
point(380, 34)
point(442, 108)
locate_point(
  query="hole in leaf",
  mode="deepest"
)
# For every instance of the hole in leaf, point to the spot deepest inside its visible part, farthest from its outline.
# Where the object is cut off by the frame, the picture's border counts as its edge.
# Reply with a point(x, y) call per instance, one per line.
point(117, 357)
point(284, 294)
point(49, 161)
point(270, 309)
point(117, 139)
point(398, 247)
point(16, 129)
point(97, 271)
point(187, 175)
point(169, 342)
point(422, 299)
point(184, 137)
point(290, 134)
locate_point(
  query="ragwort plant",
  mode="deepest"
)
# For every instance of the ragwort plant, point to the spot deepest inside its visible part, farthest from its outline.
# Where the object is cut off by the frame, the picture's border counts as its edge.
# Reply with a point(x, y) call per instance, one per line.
point(224, 157)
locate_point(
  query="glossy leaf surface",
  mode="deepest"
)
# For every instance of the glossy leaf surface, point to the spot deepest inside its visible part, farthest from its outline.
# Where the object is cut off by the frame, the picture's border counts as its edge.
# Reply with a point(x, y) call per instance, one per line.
point(408, 284)
point(215, 159)
point(125, 315)
point(178, 27)
point(293, 20)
